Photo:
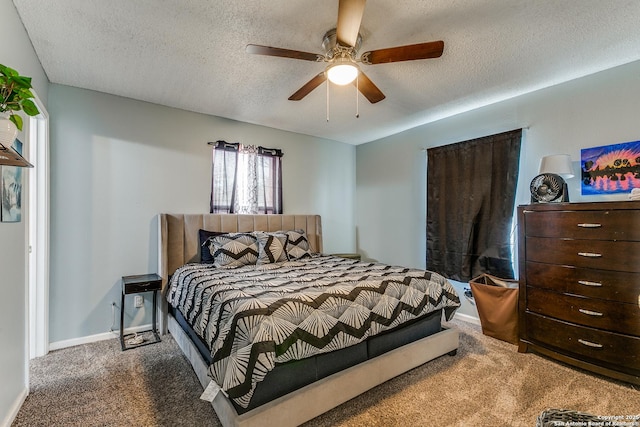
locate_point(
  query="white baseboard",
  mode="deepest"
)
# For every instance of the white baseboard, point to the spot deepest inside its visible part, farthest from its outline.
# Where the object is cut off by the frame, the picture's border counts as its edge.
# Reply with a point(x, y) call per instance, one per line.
point(467, 318)
point(15, 408)
point(95, 338)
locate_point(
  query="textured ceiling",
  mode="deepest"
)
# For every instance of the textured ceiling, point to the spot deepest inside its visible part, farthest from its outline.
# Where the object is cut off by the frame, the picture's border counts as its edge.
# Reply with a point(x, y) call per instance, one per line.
point(191, 55)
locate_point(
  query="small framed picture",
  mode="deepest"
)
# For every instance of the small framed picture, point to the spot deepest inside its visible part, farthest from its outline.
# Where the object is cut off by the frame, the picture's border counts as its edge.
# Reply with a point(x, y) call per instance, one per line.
point(11, 190)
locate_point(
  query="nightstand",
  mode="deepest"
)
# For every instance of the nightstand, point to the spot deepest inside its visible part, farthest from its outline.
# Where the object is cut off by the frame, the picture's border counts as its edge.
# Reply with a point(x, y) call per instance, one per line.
point(349, 256)
point(137, 284)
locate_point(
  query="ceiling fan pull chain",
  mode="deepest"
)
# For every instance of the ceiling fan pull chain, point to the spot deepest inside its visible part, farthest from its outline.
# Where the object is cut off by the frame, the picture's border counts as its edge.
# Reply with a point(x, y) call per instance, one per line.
point(327, 101)
point(357, 98)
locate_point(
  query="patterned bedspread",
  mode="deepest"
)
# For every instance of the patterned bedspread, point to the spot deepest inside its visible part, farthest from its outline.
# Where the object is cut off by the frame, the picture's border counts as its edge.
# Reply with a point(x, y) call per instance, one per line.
point(254, 316)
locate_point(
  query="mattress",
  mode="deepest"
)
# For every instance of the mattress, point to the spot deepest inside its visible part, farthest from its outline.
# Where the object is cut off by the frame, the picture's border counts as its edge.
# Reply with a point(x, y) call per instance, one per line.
point(253, 319)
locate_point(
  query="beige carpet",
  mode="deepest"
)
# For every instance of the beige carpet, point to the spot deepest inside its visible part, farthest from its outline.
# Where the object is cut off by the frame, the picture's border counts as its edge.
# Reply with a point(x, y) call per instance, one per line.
point(487, 384)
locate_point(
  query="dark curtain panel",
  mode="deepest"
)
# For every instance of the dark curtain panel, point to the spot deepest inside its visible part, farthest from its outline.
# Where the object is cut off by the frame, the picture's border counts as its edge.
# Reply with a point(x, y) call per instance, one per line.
point(259, 179)
point(471, 190)
point(269, 180)
point(223, 176)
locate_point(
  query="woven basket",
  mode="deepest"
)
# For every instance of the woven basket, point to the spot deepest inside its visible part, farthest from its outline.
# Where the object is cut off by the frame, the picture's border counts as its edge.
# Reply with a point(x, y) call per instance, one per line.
point(559, 417)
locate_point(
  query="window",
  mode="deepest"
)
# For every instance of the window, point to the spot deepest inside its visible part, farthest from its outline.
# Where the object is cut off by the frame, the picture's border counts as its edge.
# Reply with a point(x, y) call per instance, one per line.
point(471, 190)
point(246, 179)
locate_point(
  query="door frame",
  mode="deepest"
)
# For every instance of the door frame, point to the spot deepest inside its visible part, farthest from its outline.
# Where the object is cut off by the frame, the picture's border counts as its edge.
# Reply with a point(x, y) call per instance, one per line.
point(37, 234)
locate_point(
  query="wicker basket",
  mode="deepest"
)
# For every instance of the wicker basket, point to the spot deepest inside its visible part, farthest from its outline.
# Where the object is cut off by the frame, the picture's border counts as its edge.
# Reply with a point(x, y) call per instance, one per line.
point(560, 417)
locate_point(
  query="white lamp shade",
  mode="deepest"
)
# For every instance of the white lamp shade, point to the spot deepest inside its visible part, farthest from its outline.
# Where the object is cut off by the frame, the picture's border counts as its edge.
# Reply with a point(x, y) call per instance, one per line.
point(342, 74)
point(560, 164)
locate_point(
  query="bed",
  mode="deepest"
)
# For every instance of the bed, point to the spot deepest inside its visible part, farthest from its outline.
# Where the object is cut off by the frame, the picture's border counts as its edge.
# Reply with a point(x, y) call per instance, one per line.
point(289, 381)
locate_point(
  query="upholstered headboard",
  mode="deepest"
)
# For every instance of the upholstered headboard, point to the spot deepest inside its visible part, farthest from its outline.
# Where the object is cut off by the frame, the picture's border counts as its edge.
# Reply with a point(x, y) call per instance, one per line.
point(178, 238)
point(178, 234)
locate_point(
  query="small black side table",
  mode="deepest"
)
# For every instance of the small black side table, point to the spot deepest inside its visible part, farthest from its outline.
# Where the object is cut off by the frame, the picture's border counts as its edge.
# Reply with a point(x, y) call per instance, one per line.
point(134, 285)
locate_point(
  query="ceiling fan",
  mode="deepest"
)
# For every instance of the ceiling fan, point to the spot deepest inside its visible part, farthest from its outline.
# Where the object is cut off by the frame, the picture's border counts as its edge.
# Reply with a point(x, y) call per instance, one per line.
point(341, 47)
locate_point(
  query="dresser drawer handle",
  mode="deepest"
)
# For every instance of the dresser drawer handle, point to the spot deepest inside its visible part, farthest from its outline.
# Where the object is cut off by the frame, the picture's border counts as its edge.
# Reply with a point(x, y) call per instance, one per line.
point(588, 283)
point(589, 225)
point(590, 344)
point(589, 254)
point(590, 313)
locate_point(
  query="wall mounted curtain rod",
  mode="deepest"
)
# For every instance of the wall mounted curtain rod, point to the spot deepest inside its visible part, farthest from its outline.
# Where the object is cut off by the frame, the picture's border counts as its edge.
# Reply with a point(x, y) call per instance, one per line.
point(235, 146)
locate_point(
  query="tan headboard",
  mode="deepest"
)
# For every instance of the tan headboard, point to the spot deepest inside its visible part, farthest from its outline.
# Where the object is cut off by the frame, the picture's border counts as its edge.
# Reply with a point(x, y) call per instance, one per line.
point(178, 239)
point(178, 243)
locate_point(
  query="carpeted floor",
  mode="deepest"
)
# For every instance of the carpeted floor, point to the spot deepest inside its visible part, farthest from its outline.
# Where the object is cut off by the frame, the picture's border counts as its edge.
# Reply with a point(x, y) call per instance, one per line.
point(488, 383)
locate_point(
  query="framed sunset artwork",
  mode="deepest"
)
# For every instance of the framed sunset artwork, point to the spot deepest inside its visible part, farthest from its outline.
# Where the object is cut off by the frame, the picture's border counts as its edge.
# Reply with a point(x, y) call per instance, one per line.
point(610, 169)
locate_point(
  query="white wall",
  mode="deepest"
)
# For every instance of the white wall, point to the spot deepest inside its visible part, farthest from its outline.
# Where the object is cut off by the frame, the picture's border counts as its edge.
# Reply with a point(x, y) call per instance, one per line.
point(15, 52)
point(116, 163)
point(600, 109)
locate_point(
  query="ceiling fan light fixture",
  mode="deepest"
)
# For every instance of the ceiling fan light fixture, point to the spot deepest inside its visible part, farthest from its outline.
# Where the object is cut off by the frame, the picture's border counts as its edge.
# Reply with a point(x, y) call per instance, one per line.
point(342, 72)
point(341, 46)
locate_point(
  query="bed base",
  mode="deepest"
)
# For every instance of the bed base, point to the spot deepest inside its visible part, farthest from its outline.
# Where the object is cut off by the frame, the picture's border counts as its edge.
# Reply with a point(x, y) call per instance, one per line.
point(321, 396)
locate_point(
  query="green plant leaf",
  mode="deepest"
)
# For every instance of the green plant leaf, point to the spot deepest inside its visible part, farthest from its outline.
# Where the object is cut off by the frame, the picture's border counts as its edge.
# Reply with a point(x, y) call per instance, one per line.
point(29, 107)
point(24, 93)
point(15, 94)
point(11, 97)
point(22, 82)
point(8, 71)
point(17, 120)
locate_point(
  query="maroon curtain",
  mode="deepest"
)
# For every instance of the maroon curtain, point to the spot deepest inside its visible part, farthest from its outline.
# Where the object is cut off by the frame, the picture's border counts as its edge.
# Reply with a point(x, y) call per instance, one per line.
point(471, 190)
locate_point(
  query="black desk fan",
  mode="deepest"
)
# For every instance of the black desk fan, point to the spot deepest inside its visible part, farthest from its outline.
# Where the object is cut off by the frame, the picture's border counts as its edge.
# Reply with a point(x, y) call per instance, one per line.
point(549, 186)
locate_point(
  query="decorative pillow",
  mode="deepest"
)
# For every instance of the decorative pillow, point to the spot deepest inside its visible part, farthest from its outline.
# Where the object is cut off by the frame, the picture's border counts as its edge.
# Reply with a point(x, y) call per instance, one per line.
point(204, 237)
point(297, 244)
point(272, 247)
point(234, 249)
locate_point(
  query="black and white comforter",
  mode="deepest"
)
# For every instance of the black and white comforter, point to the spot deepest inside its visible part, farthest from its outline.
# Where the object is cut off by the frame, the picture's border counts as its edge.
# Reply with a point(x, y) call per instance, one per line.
point(254, 316)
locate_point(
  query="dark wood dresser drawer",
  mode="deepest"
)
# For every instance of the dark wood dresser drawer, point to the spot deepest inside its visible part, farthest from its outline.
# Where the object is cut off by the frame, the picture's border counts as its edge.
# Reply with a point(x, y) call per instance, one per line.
point(598, 254)
point(600, 225)
point(597, 313)
point(620, 352)
point(604, 284)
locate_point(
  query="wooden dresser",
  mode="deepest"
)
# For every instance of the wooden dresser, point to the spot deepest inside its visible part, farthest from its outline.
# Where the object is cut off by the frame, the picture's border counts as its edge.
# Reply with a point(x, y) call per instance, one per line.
point(580, 285)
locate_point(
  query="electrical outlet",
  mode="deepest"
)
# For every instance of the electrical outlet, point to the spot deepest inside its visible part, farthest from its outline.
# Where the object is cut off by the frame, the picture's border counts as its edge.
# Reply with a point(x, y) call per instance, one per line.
point(138, 301)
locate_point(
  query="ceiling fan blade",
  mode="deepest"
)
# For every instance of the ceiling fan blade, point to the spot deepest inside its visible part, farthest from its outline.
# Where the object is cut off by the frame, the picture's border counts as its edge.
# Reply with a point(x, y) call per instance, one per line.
point(283, 53)
point(368, 88)
point(404, 53)
point(308, 87)
point(349, 17)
